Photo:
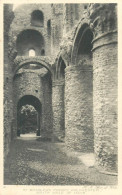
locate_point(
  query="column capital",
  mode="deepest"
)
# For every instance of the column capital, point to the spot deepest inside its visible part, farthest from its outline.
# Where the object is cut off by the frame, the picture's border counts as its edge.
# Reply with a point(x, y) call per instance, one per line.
point(82, 66)
point(103, 18)
point(58, 83)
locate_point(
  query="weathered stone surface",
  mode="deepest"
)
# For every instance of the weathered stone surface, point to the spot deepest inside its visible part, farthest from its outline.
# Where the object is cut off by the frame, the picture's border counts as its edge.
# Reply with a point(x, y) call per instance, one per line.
point(58, 110)
point(42, 61)
point(8, 84)
point(79, 44)
point(78, 108)
point(30, 83)
point(47, 108)
point(22, 22)
point(104, 23)
point(105, 106)
point(103, 17)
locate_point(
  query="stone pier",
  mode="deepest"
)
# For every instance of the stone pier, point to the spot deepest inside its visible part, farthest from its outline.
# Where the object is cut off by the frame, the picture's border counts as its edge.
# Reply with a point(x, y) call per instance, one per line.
point(58, 109)
point(78, 108)
point(105, 88)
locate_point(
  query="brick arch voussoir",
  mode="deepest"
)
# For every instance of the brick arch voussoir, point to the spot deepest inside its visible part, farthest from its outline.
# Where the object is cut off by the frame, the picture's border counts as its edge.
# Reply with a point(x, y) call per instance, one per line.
point(38, 62)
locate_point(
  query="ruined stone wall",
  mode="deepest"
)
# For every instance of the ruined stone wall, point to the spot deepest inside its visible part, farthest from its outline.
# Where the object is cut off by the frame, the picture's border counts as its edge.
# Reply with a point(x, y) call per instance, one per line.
point(31, 83)
point(84, 57)
point(56, 27)
point(90, 95)
point(22, 21)
point(105, 106)
point(79, 108)
point(26, 83)
point(30, 40)
point(8, 91)
point(47, 108)
point(105, 85)
point(72, 14)
point(58, 109)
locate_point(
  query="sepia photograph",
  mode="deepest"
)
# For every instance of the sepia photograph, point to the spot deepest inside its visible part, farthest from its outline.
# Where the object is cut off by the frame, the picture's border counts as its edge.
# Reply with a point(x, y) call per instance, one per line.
point(60, 86)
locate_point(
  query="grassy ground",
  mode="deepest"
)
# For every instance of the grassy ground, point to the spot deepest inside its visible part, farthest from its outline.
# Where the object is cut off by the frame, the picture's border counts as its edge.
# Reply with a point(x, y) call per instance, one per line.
point(34, 162)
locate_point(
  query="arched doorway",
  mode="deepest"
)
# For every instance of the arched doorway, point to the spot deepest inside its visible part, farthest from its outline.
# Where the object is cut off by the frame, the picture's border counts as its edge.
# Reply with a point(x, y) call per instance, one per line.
point(29, 111)
point(37, 77)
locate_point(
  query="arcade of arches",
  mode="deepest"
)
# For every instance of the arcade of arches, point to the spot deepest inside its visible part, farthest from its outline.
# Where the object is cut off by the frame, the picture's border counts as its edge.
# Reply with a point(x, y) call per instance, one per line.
point(64, 71)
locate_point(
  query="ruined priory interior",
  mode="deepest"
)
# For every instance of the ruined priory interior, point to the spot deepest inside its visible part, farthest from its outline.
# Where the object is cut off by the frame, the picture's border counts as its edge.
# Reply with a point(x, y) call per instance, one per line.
point(61, 59)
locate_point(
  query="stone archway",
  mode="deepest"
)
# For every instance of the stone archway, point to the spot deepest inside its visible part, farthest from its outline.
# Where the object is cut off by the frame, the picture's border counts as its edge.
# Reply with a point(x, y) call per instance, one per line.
point(36, 82)
point(22, 61)
point(34, 101)
point(81, 30)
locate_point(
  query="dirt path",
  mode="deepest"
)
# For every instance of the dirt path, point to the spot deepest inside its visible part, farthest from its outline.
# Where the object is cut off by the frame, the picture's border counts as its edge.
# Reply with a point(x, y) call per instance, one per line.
point(33, 162)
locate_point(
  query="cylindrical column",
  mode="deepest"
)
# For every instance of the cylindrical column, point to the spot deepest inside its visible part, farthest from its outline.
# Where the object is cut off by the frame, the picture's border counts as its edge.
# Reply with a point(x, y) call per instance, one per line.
point(58, 109)
point(79, 108)
point(105, 87)
point(105, 101)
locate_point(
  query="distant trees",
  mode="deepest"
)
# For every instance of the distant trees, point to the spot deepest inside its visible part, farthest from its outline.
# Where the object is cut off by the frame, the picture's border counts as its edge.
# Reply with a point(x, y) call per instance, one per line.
point(27, 119)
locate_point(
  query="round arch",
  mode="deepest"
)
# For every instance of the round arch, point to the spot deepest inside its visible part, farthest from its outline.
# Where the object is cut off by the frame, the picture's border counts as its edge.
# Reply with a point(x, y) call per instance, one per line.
point(15, 34)
point(28, 39)
point(81, 32)
point(33, 101)
point(60, 68)
point(33, 61)
point(29, 99)
point(37, 18)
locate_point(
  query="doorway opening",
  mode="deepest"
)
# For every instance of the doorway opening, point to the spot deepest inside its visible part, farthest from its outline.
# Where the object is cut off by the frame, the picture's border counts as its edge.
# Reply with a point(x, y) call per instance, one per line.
point(29, 116)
